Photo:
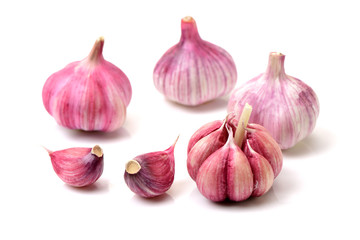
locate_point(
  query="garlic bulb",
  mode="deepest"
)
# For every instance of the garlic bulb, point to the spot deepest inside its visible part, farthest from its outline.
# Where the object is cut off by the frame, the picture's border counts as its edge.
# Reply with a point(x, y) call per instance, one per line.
point(232, 166)
point(284, 105)
point(90, 95)
point(151, 174)
point(194, 71)
point(78, 167)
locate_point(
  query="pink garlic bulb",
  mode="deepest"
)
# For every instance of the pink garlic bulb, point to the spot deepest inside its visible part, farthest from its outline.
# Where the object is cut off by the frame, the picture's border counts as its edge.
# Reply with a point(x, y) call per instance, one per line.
point(194, 71)
point(90, 95)
point(232, 166)
point(284, 105)
point(151, 174)
point(78, 167)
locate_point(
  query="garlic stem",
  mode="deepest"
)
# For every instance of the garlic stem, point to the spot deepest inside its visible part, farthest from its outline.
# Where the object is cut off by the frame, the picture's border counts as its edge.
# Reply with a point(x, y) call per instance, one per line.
point(188, 19)
point(242, 124)
point(132, 167)
point(275, 66)
point(96, 150)
point(189, 29)
point(96, 51)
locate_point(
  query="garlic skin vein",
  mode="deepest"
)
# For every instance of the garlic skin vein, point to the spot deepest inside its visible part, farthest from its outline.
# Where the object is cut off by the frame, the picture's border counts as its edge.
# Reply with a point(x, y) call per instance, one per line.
point(284, 105)
point(194, 71)
point(90, 95)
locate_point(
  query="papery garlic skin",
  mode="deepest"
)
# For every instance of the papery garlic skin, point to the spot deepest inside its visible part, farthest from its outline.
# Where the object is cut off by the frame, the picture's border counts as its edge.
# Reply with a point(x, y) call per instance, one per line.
point(226, 174)
point(78, 167)
point(151, 174)
point(90, 95)
point(261, 142)
point(194, 71)
point(263, 173)
point(284, 105)
point(207, 139)
point(227, 170)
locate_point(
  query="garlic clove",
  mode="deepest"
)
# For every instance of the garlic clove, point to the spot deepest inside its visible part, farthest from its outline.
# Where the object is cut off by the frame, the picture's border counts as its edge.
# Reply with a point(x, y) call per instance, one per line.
point(78, 167)
point(194, 71)
point(211, 177)
point(239, 174)
point(151, 174)
point(90, 95)
point(261, 142)
point(284, 105)
point(202, 132)
point(262, 171)
point(209, 128)
point(226, 174)
point(204, 148)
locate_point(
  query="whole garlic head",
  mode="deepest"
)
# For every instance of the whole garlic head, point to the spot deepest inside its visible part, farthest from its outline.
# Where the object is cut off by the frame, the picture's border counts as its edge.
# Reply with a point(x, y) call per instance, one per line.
point(284, 105)
point(231, 167)
point(90, 95)
point(194, 71)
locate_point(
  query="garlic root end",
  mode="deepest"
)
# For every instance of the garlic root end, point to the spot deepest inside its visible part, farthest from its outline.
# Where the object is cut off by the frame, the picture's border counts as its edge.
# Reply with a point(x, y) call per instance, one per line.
point(132, 167)
point(96, 150)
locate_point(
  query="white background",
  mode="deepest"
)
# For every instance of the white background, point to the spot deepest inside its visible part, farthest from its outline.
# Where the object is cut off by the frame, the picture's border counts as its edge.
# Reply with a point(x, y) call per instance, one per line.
point(315, 196)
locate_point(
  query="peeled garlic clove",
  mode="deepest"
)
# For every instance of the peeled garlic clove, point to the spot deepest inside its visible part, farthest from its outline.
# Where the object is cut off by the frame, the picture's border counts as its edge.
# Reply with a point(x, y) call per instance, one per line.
point(228, 171)
point(226, 174)
point(284, 105)
point(90, 95)
point(194, 71)
point(78, 167)
point(151, 174)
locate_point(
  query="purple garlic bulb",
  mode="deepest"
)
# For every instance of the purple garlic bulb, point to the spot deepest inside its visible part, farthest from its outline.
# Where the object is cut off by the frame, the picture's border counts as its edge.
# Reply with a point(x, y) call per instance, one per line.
point(90, 95)
point(233, 160)
point(194, 71)
point(284, 105)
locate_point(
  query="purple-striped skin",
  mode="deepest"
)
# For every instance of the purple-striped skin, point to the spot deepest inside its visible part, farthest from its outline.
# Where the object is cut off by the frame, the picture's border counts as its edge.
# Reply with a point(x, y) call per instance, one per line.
point(222, 170)
point(202, 132)
point(209, 128)
point(263, 172)
point(78, 167)
point(194, 71)
point(226, 174)
point(284, 105)
point(90, 95)
point(261, 142)
point(204, 148)
point(156, 174)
